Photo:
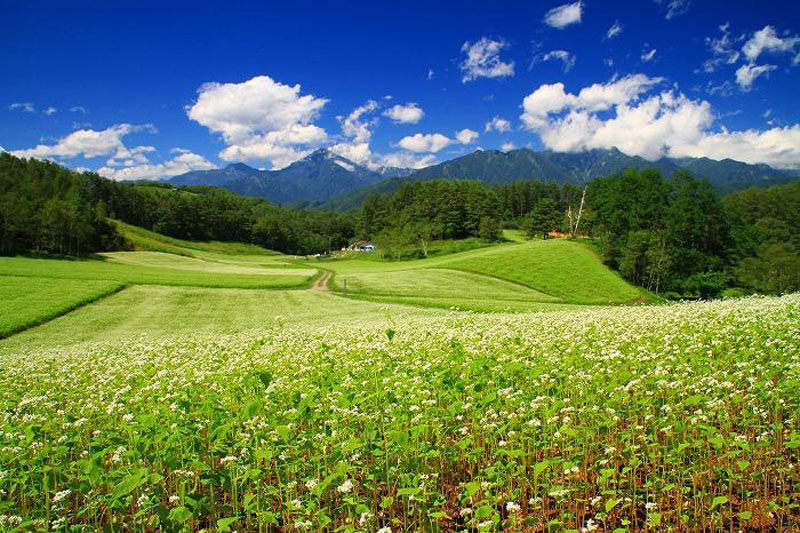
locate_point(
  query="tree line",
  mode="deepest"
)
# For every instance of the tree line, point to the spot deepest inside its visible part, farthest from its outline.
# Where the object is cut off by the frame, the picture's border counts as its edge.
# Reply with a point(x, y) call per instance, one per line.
point(672, 236)
point(47, 209)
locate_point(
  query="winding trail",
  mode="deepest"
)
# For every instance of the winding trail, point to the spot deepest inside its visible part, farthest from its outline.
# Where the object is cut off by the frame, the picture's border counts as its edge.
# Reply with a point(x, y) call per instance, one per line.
point(322, 283)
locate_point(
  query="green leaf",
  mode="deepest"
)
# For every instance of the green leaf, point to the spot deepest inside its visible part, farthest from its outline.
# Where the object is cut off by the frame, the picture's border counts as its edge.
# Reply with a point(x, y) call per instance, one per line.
point(180, 515)
point(654, 518)
point(610, 504)
point(484, 512)
point(472, 488)
point(540, 467)
point(745, 515)
point(719, 500)
point(224, 524)
point(390, 334)
point(129, 484)
point(408, 491)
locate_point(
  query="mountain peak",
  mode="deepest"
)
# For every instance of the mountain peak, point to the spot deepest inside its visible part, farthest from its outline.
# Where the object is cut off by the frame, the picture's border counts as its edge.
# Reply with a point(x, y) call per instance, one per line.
point(239, 166)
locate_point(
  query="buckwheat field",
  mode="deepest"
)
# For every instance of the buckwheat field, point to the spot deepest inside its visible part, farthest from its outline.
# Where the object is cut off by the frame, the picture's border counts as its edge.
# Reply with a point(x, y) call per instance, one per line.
point(681, 417)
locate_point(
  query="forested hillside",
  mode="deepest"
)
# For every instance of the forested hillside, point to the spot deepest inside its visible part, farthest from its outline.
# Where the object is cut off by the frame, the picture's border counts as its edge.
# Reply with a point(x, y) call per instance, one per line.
point(674, 236)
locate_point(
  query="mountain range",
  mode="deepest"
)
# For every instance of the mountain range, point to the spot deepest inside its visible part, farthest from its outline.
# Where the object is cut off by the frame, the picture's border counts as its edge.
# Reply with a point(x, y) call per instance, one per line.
point(325, 180)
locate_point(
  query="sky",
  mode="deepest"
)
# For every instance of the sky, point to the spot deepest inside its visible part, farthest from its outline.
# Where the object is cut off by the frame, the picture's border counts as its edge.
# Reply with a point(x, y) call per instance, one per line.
point(149, 90)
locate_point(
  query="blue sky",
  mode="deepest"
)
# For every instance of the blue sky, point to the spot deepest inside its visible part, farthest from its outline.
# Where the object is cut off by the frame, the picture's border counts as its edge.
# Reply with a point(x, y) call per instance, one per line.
point(153, 89)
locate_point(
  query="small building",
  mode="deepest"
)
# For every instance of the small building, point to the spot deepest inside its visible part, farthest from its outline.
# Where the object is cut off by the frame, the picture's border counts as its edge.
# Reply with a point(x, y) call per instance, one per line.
point(362, 246)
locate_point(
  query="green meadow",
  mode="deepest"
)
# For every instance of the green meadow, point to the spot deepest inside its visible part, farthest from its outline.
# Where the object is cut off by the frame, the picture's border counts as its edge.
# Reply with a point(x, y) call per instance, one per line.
point(521, 386)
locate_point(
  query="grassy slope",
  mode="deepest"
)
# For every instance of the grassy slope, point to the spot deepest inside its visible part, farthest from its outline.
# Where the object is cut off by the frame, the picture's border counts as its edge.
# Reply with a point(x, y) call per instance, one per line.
point(567, 271)
point(145, 240)
point(30, 301)
point(153, 311)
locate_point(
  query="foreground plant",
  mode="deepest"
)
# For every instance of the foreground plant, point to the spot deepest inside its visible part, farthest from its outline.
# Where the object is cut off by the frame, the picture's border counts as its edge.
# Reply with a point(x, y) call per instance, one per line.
point(621, 419)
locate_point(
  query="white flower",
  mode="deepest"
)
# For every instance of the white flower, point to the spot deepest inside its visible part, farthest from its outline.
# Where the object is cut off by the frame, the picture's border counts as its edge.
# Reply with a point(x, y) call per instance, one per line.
point(311, 484)
point(345, 487)
point(385, 529)
point(228, 459)
point(512, 507)
point(61, 495)
point(590, 526)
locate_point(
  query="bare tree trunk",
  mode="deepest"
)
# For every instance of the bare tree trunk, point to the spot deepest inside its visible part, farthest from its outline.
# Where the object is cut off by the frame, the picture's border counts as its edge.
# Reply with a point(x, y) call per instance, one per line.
point(580, 212)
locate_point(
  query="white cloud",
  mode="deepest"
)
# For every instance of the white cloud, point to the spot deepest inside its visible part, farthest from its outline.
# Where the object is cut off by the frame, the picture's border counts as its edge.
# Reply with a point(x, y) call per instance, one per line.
point(507, 146)
point(26, 107)
point(674, 7)
point(260, 119)
point(665, 124)
point(722, 50)
point(497, 124)
point(87, 143)
point(648, 53)
point(356, 152)
point(766, 40)
point(78, 109)
point(410, 113)
point(567, 59)
point(562, 16)
point(429, 142)
point(746, 74)
point(49, 111)
point(483, 60)
point(467, 136)
point(407, 160)
point(614, 30)
point(431, 74)
point(353, 125)
point(130, 157)
point(184, 161)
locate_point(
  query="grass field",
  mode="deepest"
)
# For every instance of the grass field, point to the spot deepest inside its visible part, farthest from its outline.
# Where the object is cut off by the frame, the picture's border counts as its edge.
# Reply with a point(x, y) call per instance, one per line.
point(28, 301)
point(555, 271)
point(153, 312)
point(680, 417)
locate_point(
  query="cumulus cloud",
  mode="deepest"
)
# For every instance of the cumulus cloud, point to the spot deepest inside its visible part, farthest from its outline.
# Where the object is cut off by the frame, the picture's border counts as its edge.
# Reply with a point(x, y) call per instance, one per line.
point(357, 126)
point(562, 16)
point(183, 161)
point(50, 111)
point(497, 124)
point(746, 74)
point(356, 152)
point(567, 59)
point(26, 107)
point(407, 160)
point(767, 40)
point(409, 113)
point(425, 142)
point(665, 124)
point(467, 136)
point(507, 146)
point(483, 60)
point(86, 142)
point(673, 8)
point(614, 30)
point(260, 119)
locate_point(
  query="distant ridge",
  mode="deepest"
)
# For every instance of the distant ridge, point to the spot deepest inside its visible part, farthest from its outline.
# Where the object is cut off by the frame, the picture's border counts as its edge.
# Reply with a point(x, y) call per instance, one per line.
point(326, 180)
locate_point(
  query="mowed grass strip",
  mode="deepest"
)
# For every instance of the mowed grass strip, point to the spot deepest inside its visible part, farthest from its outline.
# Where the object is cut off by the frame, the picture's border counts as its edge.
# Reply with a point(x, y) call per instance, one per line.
point(148, 274)
point(27, 302)
point(151, 312)
point(439, 283)
point(198, 264)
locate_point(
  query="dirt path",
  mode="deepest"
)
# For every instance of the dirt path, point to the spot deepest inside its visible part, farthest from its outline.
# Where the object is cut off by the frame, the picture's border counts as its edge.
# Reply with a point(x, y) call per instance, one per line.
point(322, 283)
